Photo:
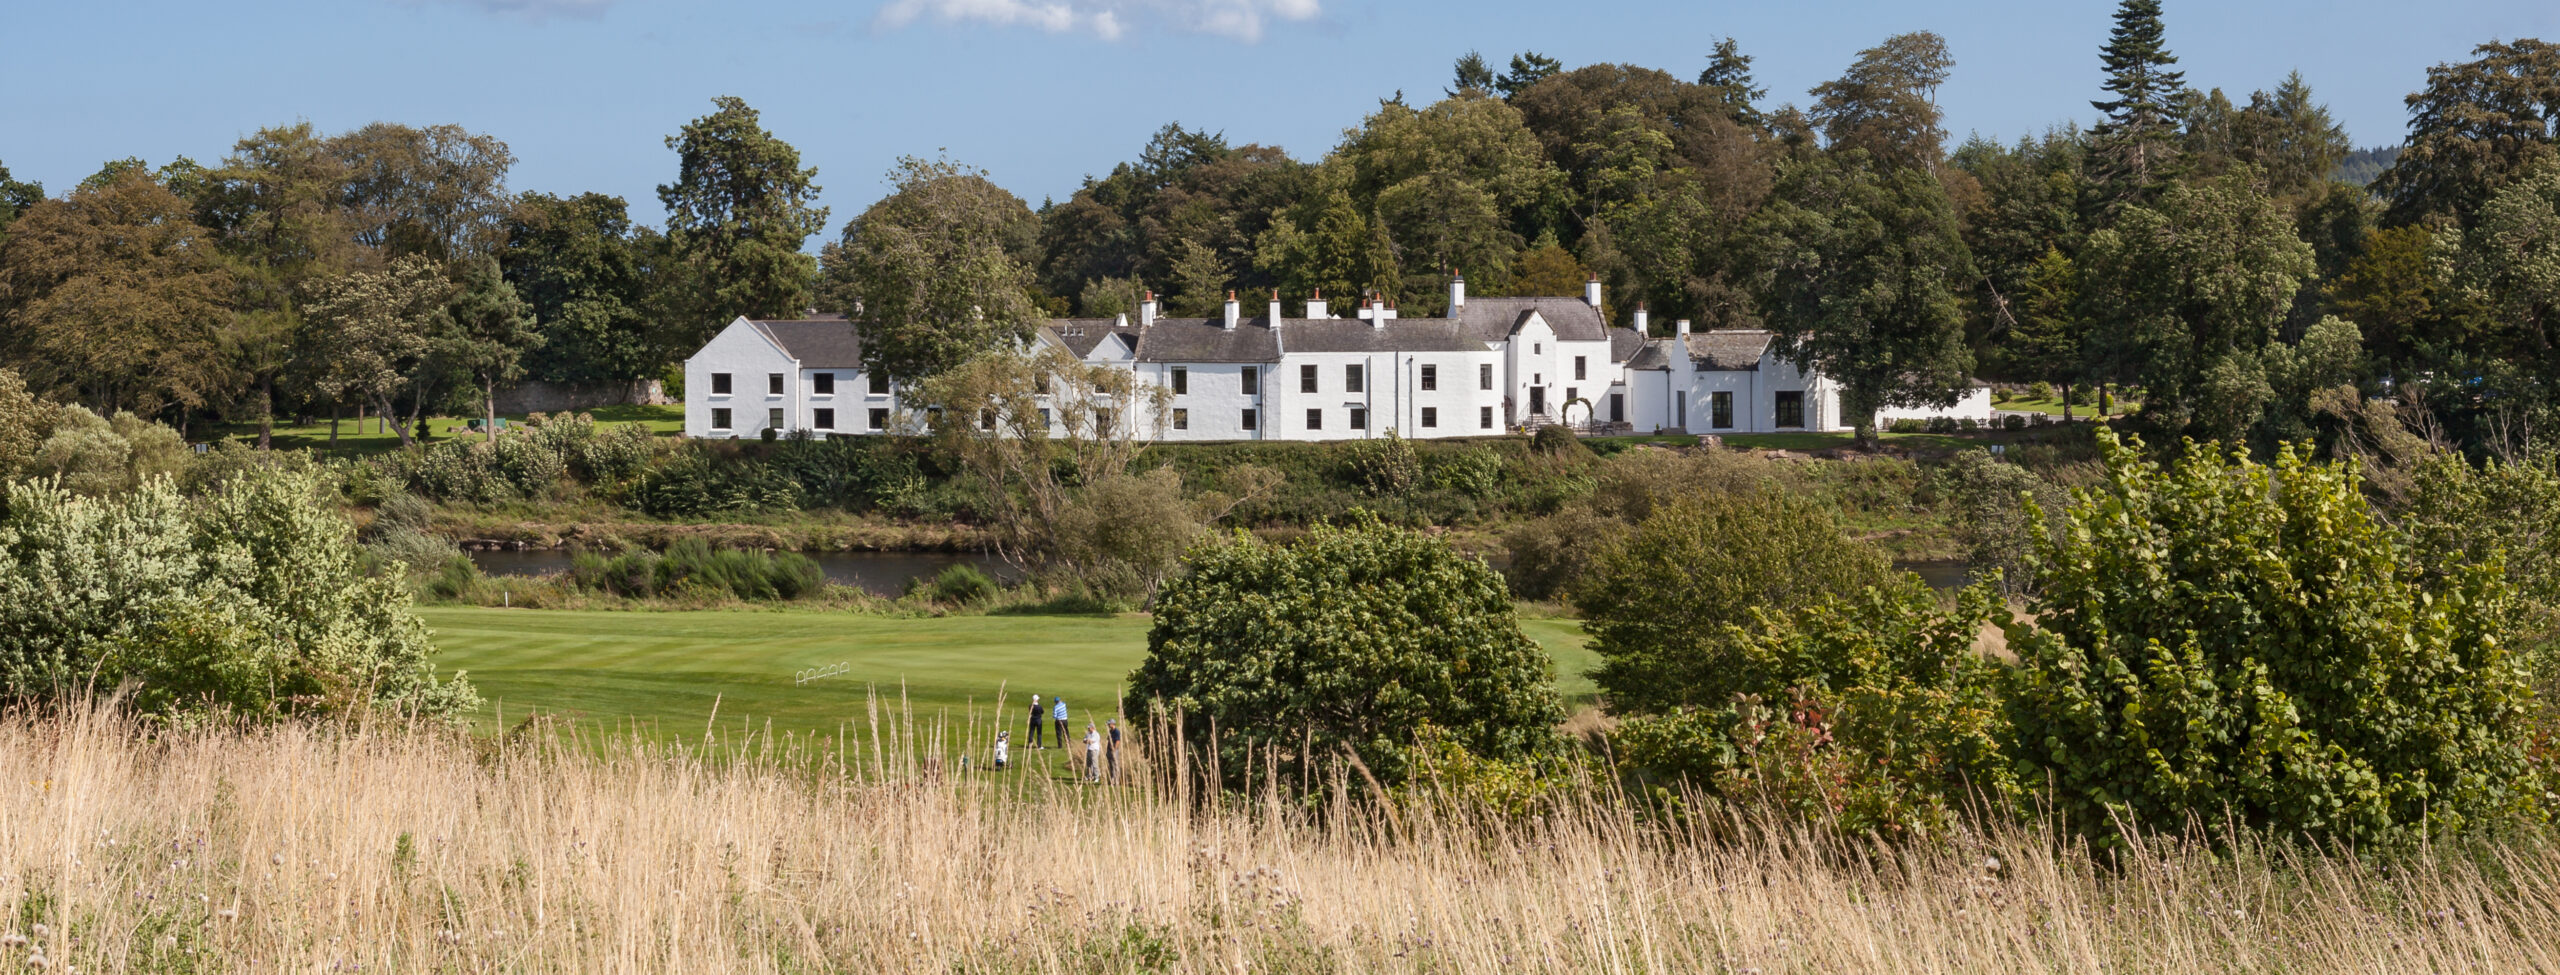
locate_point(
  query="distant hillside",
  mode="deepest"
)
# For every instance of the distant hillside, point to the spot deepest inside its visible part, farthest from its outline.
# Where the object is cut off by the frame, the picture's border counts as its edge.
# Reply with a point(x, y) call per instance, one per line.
point(2362, 165)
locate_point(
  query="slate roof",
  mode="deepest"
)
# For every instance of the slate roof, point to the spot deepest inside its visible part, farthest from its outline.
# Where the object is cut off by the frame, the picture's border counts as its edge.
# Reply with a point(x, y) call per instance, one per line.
point(1728, 349)
point(819, 343)
point(1207, 340)
point(1494, 319)
point(1081, 335)
point(1623, 343)
point(1652, 357)
point(1399, 335)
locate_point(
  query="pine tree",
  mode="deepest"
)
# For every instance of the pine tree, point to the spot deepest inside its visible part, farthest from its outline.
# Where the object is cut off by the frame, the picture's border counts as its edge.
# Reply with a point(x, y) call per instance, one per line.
point(1728, 80)
point(2136, 143)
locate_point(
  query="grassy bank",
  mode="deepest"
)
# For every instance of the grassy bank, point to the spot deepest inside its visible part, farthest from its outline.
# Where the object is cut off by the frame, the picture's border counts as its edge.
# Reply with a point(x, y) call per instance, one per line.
point(664, 670)
point(293, 850)
point(374, 435)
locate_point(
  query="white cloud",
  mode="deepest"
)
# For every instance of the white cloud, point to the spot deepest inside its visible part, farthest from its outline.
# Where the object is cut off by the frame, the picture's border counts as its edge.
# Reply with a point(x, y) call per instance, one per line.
point(1242, 20)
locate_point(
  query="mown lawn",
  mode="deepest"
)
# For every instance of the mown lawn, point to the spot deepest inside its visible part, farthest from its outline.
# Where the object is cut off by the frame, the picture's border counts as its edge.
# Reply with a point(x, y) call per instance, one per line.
point(2029, 404)
point(663, 669)
point(373, 436)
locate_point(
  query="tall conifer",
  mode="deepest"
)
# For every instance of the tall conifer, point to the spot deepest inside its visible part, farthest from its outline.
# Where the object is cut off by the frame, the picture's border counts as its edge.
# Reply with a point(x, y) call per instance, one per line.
point(2136, 143)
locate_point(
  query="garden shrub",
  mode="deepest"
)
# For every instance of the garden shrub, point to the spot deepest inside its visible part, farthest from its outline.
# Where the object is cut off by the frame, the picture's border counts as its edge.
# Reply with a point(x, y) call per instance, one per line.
point(1987, 501)
point(1872, 712)
point(2225, 641)
point(249, 602)
point(962, 585)
point(1385, 465)
point(1467, 470)
point(693, 484)
point(1350, 640)
point(2040, 390)
point(1662, 602)
point(692, 568)
point(1908, 424)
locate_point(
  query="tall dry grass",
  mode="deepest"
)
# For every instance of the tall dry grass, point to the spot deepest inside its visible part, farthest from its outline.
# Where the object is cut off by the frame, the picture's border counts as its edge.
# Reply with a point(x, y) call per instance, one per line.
point(291, 849)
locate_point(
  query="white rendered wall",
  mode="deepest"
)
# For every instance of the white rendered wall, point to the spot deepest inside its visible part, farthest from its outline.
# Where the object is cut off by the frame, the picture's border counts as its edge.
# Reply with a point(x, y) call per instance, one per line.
point(748, 357)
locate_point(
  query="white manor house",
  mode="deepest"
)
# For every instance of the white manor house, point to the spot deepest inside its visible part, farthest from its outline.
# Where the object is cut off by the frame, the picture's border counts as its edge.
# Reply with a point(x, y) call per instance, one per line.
point(1492, 366)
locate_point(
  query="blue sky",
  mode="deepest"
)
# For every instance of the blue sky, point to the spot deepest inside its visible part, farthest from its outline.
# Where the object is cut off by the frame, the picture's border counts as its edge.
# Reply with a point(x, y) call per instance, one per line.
point(1042, 92)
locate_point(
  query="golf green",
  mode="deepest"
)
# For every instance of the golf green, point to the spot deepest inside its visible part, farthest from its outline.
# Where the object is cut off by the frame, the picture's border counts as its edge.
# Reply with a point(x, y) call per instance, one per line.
point(812, 672)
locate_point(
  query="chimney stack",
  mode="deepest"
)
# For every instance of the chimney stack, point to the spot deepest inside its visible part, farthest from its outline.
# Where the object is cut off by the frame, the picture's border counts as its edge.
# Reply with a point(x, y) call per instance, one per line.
point(1680, 327)
point(1641, 320)
point(1147, 311)
point(1233, 311)
point(1315, 305)
point(1457, 293)
point(1591, 291)
point(1275, 308)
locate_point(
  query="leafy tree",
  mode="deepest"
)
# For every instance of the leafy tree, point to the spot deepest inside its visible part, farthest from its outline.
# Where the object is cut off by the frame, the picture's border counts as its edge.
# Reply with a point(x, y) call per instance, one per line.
point(2507, 267)
point(587, 273)
point(2191, 287)
point(1337, 249)
point(1188, 185)
point(1527, 69)
point(2478, 125)
point(2390, 289)
point(1200, 280)
point(278, 207)
point(15, 198)
point(935, 270)
point(737, 214)
point(1863, 267)
point(2028, 206)
point(2134, 147)
point(1728, 82)
point(437, 192)
point(1548, 269)
point(248, 603)
point(1281, 661)
point(25, 421)
point(488, 331)
point(99, 456)
point(2224, 641)
point(374, 328)
point(1445, 183)
point(1471, 75)
point(1887, 103)
point(118, 294)
point(1663, 603)
point(2044, 341)
point(1032, 428)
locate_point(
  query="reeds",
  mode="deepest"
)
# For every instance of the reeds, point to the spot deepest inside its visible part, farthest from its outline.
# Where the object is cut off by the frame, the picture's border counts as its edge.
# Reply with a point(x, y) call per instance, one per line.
point(325, 849)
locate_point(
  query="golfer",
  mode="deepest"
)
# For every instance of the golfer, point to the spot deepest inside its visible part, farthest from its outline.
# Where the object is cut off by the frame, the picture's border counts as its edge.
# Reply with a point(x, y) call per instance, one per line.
point(1058, 710)
point(1111, 752)
point(1032, 740)
point(1092, 753)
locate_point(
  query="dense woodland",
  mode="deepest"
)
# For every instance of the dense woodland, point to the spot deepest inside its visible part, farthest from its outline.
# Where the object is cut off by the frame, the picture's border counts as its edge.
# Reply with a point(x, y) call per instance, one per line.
point(2234, 262)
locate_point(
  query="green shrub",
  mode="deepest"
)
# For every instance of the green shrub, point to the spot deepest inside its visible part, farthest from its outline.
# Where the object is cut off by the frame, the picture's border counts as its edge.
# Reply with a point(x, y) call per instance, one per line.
point(962, 585)
point(1988, 501)
point(2013, 421)
point(691, 568)
point(1352, 639)
point(249, 601)
point(2224, 641)
point(1557, 440)
point(1472, 471)
point(693, 484)
point(1385, 465)
point(2040, 390)
point(1872, 712)
point(1908, 424)
point(1661, 603)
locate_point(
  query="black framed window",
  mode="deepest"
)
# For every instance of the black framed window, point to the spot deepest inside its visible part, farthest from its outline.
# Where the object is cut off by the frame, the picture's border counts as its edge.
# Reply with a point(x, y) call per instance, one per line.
point(1181, 419)
point(1430, 377)
point(719, 384)
point(1720, 410)
point(1359, 418)
point(1351, 378)
point(1484, 375)
point(822, 419)
point(1430, 417)
point(773, 383)
point(1251, 383)
point(879, 419)
point(720, 418)
point(1306, 379)
point(822, 383)
point(1484, 418)
point(1315, 417)
point(1248, 419)
point(1578, 371)
point(773, 418)
point(1181, 380)
point(1790, 409)
point(880, 384)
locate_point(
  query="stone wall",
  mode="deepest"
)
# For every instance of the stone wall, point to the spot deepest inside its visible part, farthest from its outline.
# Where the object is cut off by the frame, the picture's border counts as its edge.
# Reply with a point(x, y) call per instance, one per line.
point(540, 397)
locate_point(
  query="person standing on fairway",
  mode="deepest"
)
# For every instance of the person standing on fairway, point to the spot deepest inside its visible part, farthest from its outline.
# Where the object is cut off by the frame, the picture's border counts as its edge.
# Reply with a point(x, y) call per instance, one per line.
point(1092, 753)
point(1032, 740)
point(1058, 710)
point(1003, 747)
point(1111, 753)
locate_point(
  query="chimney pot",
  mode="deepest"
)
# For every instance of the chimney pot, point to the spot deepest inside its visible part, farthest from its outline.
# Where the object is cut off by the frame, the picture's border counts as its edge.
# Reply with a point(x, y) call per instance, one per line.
point(1680, 327)
point(1591, 291)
